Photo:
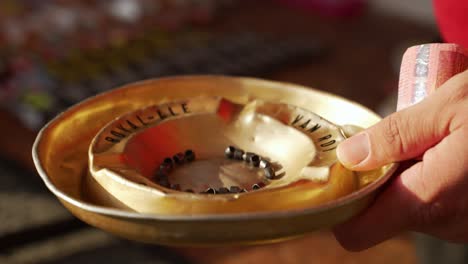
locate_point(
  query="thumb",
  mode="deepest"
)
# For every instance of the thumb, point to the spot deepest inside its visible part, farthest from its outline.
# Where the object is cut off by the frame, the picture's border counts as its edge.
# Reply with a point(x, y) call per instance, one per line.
point(401, 136)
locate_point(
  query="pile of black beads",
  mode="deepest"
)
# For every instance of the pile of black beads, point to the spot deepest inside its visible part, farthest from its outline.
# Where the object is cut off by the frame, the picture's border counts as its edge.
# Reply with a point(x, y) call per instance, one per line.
point(224, 190)
point(168, 165)
point(252, 159)
point(233, 189)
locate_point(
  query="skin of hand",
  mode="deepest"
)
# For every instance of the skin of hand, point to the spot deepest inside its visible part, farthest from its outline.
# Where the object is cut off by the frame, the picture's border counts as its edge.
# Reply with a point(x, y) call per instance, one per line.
point(430, 195)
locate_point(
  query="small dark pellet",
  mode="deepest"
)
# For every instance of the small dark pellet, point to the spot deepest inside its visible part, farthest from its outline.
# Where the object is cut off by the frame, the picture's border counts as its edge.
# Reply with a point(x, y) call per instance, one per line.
point(210, 191)
point(269, 173)
point(247, 156)
point(264, 164)
point(255, 160)
point(176, 187)
point(229, 152)
point(165, 168)
point(178, 158)
point(235, 189)
point(167, 161)
point(189, 155)
point(238, 154)
point(223, 190)
point(258, 185)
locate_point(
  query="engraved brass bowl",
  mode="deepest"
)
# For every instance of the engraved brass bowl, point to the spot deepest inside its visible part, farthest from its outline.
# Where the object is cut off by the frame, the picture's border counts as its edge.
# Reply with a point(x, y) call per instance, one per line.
point(61, 156)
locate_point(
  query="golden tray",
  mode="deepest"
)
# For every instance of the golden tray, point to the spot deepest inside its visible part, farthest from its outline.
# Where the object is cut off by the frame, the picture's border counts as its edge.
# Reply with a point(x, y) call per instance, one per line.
point(60, 154)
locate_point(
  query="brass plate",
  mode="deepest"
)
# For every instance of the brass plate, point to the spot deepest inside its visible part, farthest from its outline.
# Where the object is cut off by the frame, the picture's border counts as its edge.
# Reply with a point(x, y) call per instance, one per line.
point(61, 157)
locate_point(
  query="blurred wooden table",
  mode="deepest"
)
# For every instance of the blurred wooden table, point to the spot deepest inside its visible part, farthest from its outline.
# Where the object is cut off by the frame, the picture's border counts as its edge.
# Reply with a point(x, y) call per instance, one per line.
point(360, 66)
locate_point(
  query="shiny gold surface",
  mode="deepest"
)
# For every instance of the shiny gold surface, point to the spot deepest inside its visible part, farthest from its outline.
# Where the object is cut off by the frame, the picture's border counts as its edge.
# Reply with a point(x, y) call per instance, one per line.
point(126, 153)
point(60, 154)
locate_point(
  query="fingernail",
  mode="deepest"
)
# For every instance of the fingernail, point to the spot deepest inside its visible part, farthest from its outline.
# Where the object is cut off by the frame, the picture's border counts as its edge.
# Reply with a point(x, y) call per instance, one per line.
point(354, 150)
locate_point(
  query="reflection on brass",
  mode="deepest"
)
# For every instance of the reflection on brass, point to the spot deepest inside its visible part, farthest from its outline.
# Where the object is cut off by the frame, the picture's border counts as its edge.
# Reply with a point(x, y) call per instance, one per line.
point(124, 134)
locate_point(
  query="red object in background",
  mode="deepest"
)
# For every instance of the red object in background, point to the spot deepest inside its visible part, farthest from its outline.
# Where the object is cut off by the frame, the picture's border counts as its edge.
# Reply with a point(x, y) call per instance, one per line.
point(452, 18)
point(330, 8)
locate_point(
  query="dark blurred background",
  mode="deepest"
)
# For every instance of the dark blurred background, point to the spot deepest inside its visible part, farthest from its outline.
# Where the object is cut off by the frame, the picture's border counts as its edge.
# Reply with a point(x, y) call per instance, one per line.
point(54, 53)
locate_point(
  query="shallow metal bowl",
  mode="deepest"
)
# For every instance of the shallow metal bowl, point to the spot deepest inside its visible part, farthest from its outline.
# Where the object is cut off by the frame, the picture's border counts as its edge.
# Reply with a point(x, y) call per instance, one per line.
point(61, 149)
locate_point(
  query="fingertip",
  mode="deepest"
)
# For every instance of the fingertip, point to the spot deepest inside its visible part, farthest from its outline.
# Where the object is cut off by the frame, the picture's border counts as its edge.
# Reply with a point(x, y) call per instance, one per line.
point(353, 151)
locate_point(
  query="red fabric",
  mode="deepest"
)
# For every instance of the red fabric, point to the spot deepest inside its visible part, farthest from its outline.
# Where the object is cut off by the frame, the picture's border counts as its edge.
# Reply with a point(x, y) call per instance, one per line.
point(452, 18)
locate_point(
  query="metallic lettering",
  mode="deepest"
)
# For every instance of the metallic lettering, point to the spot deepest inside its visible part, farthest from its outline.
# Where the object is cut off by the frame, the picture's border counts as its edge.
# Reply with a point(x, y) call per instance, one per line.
point(297, 119)
point(327, 144)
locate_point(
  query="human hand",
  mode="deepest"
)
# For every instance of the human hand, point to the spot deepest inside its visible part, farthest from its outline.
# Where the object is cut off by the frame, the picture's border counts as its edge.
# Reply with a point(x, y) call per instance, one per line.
point(431, 195)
